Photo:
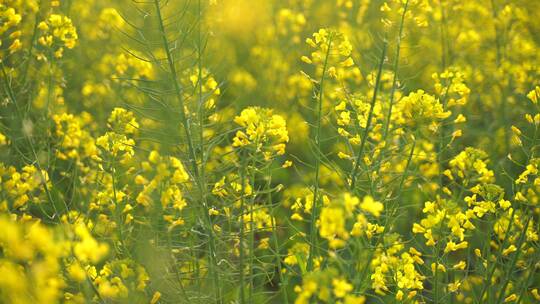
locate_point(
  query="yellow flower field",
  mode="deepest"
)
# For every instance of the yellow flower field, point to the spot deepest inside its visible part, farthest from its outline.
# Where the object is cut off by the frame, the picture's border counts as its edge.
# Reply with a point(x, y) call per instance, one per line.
point(269, 151)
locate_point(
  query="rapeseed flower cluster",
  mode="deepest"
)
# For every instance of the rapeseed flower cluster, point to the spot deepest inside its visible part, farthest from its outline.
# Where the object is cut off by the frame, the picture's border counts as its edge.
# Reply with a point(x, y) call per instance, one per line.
point(263, 131)
point(57, 33)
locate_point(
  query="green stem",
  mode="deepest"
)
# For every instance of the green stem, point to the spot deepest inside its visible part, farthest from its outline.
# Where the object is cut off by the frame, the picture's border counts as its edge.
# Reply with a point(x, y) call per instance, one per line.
point(487, 281)
point(241, 236)
point(202, 171)
point(513, 261)
point(312, 223)
point(277, 256)
point(192, 156)
point(370, 117)
point(178, 90)
point(394, 86)
point(361, 275)
point(251, 239)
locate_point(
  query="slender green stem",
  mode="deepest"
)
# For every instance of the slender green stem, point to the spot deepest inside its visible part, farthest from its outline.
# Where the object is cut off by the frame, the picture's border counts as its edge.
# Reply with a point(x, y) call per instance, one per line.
point(241, 236)
point(369, 118)
point(528, 281)
point(513, 261)
point(491, 271)
point(390, 213)
point(394, 86)
point(178, 91)
point(277, 256)
point(191, 150)
point(312, 223)
point(487, 281)
point(173, 264)
point(436, 275)
point(251, 239)
point(282, 279)
point(30, 50)
point(202, 157)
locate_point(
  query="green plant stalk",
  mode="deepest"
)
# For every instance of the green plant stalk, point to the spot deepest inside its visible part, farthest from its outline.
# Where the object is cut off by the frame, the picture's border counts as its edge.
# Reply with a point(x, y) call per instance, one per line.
point(394, 87)
point(436, 252)
point(442, 134)
point(528, 281)
point(313, 219)
point(388, 120)
point(173, 263)
point(509, 226)
point(91, 283)
point(283, 282)
point(187, 129)
point(361, 275)
point(409, 160)
point(277, 256)
point(370, 117)
point(200, 93)
point(241, 236)
point(202, 171)
point(514, 260)
point(487, 249)
point(30, 49)
point(178, 91)
point(251, 239)
point(487, 281)
point(532, 270)
point(436, 276)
